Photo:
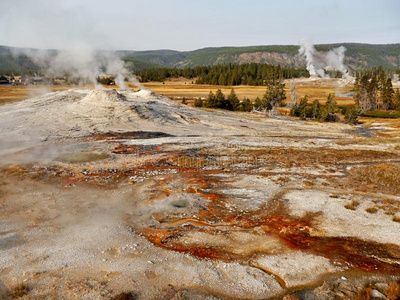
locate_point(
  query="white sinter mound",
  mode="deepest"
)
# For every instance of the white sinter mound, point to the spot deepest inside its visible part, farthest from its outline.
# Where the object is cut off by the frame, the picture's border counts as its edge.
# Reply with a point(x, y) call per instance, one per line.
point(77, 113)
point(81, 113)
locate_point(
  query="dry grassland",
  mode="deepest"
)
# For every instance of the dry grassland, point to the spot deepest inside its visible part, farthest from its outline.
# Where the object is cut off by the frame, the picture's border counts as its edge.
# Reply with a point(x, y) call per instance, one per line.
point(10, 94)
point(185, 88)
point(179, 88)
point(385, 177)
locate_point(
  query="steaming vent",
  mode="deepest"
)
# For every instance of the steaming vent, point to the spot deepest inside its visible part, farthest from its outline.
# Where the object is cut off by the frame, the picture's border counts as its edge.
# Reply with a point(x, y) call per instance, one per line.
point(317, 63)
point(103, 98)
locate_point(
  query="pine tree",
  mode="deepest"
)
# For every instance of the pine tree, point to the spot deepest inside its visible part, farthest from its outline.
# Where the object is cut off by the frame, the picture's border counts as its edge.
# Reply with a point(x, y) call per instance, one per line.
point(210, 101)
point(221, 79)
point(274, 95)
point(302, 108)
point(362, 94)
point(380, 86)
point(372, 92)
point(220, 101)
point(351, 115)
point(381, 80)
point(331, 104)
point(357, 89)
point(397, 99)
point(327, 113)
point(266, 102)
point(387, 95)
point(234, 102)
point(257, 104)
point(294, 110)
point(324, 114)
point(275, 92)
point(246, 105)
point(316, 109)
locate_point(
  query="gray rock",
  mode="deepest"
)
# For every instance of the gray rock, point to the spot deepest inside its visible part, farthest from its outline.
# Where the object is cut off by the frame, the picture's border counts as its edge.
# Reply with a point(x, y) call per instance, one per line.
point(378, 294)
point(382, 285)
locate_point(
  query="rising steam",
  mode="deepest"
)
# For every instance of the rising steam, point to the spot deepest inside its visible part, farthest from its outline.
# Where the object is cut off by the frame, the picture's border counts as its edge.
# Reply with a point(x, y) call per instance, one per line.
point(84, 51)
point(82, 64)
point(318, 62)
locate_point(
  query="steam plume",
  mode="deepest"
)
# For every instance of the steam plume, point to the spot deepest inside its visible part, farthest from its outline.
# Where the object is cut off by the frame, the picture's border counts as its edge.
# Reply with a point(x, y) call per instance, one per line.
point(81, 63)
point(85, 50)
point(318, 62)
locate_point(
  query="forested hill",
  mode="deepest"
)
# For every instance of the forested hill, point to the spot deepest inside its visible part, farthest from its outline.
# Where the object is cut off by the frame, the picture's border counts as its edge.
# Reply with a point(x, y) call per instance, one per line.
point(357, 56)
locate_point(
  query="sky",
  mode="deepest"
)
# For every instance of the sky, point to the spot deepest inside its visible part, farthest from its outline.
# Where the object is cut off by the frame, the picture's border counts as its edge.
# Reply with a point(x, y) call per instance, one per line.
point(189, 25)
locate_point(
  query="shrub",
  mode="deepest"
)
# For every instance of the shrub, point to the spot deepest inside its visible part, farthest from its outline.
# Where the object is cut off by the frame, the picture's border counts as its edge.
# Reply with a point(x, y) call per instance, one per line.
point(371, 210)
point(294, 111)
point(391, 114)
point(351, 114)
point(198, 102)
point(352, 205)
point(257, 104)
point(246, 105)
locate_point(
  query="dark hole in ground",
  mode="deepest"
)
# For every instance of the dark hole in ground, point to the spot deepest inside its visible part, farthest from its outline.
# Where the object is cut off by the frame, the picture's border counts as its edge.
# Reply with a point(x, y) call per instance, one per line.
point(126, 296)
point(179, 203)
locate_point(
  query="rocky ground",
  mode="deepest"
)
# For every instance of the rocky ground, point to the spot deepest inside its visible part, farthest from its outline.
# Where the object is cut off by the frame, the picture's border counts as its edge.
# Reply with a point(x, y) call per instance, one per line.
point(132, 196)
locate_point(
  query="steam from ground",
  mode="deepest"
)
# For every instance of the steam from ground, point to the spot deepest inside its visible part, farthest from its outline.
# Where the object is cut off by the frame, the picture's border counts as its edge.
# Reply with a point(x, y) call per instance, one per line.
point(319, 62)
point(82, 64)
point(83, 50)
point(113, 65)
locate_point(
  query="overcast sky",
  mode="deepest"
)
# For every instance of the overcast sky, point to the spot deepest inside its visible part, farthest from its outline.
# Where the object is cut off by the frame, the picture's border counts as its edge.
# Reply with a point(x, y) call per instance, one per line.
point(189, 25)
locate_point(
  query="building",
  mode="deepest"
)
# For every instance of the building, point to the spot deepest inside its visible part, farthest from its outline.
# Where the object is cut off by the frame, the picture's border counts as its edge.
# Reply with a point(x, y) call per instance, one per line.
point(4, 79)
point(38, 80)
point(17, 80)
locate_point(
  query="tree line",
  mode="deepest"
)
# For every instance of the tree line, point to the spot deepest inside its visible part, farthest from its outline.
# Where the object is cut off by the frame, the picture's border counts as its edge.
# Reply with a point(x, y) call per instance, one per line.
point(218, 100)
point(273, 97)
point(373, 90)
point(373, 93)
point(227, 75)
point(324, 113)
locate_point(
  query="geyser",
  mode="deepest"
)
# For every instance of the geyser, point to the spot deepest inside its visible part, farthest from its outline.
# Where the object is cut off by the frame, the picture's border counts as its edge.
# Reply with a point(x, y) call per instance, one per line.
point(319, 62)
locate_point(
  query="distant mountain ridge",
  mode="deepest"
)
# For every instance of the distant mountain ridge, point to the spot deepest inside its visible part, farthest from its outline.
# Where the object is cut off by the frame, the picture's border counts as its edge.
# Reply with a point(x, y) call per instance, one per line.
point(357, 56)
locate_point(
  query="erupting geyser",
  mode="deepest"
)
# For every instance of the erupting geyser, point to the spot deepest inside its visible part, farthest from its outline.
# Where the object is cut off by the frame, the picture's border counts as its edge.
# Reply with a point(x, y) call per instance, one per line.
point(318, 62)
